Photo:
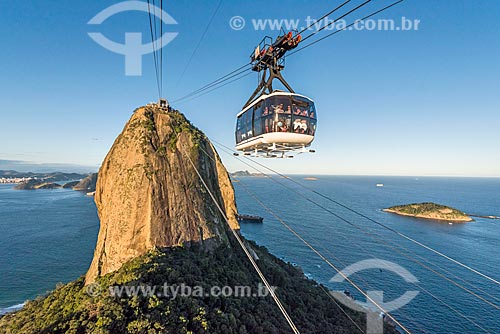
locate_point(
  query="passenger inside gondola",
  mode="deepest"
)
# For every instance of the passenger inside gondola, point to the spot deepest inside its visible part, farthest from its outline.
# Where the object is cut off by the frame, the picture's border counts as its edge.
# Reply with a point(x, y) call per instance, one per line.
point(278, 109)
point(268, 125)
point(303, 126)
point(300, 126)
point(296, 125)
point(277, 114)
point(312, 129)
point(281, 126)
point(266, 111)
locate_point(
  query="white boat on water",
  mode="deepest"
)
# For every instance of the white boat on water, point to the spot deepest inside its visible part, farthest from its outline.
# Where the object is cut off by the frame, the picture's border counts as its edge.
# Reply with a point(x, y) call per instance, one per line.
point(379, 184)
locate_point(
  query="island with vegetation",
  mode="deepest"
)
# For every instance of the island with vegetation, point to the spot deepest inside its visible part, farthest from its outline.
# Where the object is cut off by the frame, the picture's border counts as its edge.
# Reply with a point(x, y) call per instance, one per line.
point(430, 211)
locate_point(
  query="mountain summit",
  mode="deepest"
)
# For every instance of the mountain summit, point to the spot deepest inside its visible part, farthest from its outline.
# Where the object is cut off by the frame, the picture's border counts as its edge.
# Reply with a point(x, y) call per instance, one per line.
point(149, 195)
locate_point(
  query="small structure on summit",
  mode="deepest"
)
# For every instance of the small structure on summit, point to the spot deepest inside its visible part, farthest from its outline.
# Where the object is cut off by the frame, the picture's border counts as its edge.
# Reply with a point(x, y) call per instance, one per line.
point(163, 103)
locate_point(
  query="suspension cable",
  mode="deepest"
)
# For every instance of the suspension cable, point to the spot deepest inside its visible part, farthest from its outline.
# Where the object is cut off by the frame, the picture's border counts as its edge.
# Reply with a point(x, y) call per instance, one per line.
point(417, 284)
point(224, 78)
point(215, 88)
point(375, 236)
point(199, 42)
point(329, 294)
point(153, 41)
point(340, 272)
point(244, 248)
point(254, 264)
point(161, 48)
point(155, 28)
point(337, 19)
point(215, 82)
point(374, 221)
point(345, 28)
point(326, 15)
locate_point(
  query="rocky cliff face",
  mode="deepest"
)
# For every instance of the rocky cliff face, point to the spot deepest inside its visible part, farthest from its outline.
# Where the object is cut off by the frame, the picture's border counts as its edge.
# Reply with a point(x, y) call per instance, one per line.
point(148, 194)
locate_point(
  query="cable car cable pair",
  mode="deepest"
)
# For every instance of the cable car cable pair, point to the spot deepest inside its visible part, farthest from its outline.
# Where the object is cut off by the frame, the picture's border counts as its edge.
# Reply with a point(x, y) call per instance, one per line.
point(417, 284)
point(377, 238)
point(360, 214)
point(223, 79)
point(275, 123)
point(241, 243)
point(328, 262)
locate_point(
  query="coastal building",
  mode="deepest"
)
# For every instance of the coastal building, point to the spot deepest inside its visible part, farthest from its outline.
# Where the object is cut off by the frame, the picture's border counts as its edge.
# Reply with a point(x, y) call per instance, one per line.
point(4, 180)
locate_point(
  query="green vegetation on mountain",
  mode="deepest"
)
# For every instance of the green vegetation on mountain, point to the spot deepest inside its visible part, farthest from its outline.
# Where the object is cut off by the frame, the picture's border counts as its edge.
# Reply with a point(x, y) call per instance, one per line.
point(430, 211)
point(71, 310)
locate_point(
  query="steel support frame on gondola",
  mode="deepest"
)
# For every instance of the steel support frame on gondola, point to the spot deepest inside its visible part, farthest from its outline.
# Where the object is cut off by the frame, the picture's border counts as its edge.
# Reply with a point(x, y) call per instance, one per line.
point(266, 83)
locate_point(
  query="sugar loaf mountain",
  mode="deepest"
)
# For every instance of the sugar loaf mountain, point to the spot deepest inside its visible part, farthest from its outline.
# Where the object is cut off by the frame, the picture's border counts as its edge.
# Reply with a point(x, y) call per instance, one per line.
point(159, 225)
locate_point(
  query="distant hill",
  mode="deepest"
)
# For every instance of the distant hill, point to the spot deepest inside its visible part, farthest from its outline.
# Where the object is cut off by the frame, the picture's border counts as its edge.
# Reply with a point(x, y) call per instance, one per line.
point(430, 211)
point(87, 184)
point(26, 166)
point(70, 185)
point(245, 173)
point(82, 182)
point(52, 177)
point(37, 184)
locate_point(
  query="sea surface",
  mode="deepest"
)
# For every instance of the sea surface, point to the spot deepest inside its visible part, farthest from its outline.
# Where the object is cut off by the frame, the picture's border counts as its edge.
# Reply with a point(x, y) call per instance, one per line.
point(48, 236)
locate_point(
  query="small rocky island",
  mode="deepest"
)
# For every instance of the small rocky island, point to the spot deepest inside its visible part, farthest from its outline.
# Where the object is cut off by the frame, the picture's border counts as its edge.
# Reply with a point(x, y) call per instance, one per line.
point(430, 211)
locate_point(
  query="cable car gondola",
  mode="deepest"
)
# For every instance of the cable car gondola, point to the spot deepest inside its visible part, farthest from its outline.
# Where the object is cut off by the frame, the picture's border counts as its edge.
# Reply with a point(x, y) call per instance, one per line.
point(275, 123)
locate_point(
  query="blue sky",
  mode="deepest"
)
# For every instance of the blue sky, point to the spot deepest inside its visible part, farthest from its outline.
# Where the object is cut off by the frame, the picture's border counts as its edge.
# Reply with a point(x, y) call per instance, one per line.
point(389, 102)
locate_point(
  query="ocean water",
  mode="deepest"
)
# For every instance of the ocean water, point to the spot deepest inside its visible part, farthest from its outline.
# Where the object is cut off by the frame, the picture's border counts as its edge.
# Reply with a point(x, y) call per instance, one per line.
point(47, 236)
point(441, 306)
